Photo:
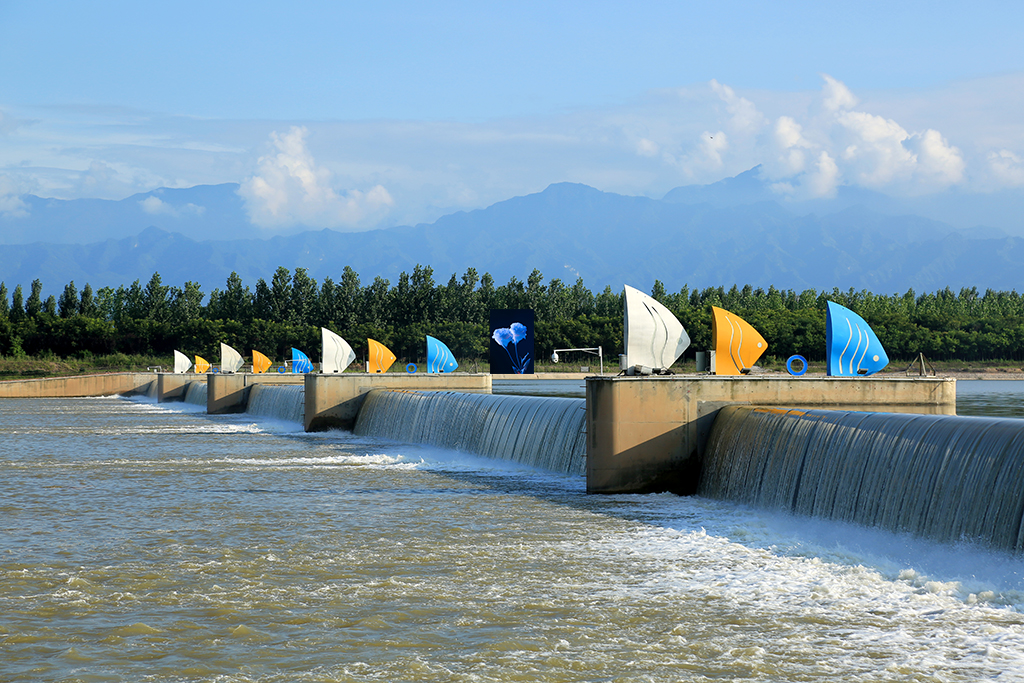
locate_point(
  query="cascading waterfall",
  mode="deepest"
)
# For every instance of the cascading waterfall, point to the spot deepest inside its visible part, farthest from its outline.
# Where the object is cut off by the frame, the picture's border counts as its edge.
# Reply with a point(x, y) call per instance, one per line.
point(542, 432)
point(942, 477)
point(195, 393)
point(279, 402)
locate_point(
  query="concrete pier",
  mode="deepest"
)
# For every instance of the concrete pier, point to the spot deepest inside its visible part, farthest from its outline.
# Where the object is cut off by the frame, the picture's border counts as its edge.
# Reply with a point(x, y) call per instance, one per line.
point(172, 387)
point(333, 401)
point(647, 434)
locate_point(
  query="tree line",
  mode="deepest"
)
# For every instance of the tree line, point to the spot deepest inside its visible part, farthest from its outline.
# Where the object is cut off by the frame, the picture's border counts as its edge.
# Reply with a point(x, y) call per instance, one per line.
point(154, 319)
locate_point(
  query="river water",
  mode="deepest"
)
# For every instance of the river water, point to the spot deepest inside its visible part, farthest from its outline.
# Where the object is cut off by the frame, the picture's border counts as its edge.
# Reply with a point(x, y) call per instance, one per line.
point(143, 542)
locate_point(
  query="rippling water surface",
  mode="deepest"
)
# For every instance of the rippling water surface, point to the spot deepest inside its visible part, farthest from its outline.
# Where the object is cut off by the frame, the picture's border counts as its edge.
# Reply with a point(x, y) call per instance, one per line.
point(142, 542)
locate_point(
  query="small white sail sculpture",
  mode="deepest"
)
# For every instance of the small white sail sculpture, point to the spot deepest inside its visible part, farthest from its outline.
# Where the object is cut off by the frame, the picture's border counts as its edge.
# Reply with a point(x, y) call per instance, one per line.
point(654, 337)
point(230, 360)
point(181, 363)
point(338, 355)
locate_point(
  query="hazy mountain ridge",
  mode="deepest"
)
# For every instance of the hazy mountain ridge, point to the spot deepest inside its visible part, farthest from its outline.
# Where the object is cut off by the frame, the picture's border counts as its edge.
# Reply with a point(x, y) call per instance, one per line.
point(695, 236)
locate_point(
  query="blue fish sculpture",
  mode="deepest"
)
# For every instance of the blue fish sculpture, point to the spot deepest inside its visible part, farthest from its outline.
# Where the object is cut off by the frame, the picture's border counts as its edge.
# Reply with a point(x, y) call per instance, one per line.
point(300, 362)
point(852, 347)
point(439, 357)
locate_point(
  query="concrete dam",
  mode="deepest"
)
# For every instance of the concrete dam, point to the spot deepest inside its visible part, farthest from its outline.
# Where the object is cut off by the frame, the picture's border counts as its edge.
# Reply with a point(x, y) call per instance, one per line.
point(884, 452)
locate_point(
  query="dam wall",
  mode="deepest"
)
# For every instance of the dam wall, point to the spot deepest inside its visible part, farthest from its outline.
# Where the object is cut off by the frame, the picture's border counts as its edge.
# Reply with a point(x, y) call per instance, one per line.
point(109, 384)
point(648, 434)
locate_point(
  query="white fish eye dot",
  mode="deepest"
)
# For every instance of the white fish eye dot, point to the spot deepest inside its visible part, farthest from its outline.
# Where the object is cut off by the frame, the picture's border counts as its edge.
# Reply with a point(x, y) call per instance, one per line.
point(874, 358)
point(758, 344)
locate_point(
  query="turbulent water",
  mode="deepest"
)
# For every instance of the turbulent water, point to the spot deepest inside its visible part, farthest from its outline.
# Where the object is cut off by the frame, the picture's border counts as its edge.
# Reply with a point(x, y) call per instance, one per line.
point(155, 543)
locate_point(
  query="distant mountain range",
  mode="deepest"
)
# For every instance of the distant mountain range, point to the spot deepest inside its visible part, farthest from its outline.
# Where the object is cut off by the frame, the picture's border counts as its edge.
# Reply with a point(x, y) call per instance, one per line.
point(731, 232)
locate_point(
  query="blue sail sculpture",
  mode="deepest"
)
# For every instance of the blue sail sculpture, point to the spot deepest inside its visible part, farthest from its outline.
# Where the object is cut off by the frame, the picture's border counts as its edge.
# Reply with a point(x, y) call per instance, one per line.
point(300, 362)
point(851, 345)
point(439, 357)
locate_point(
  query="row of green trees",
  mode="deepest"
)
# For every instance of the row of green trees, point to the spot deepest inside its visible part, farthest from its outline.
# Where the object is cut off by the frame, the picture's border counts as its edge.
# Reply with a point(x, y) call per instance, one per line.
point(289, 310)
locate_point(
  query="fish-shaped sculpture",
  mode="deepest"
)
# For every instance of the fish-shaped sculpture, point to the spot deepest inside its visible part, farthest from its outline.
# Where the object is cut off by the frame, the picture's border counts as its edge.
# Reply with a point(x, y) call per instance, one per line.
point(737, 345)
point(381, 357)
point(653, 336)
point(181, 363)
point(439, 357)
point(230, 360)
point(260, 363)
point(338, 355)
point(202, 365)
point(300, 362)
point(851, 344)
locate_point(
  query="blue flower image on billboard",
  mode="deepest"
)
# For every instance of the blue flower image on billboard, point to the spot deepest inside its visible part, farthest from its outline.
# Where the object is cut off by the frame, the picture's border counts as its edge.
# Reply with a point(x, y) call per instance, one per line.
point(512, 342)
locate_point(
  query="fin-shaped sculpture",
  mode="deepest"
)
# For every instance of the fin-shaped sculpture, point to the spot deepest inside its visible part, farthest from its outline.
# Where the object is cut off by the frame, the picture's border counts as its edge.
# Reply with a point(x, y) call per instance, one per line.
point(181, 363)
point(230, 360)
point(202, 365)
point(300, 362)
point(439, 357)
point(654, 337)
point(338, 355)
point(381, 357)
point(851, 344)
point(737, 345)
point(260, 363)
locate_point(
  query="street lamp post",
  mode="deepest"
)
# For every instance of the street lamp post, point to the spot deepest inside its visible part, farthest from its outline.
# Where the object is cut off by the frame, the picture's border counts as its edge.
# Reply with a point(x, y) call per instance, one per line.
point(596, 351)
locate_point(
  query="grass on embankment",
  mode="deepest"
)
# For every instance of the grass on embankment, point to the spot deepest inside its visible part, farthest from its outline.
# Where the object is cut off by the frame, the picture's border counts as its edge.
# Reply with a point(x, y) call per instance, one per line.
point(31, 368)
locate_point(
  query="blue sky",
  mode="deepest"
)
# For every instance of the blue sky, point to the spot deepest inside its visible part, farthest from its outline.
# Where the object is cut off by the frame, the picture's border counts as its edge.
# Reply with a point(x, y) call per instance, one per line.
point(351, 116)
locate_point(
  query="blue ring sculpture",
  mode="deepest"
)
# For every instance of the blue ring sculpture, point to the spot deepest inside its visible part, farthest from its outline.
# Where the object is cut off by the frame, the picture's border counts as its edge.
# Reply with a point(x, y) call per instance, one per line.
point(411, 368)
point(281, 369)
point(789, 365)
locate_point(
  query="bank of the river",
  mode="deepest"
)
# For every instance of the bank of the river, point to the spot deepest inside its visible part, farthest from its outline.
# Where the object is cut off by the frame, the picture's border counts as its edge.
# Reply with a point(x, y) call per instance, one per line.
point(28, 368)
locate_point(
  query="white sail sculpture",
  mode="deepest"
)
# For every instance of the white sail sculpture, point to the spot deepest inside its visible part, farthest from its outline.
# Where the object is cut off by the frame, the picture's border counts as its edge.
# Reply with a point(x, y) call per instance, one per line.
point(181, 363)
point(338, 355)
point(654, 337)
point(230, 360)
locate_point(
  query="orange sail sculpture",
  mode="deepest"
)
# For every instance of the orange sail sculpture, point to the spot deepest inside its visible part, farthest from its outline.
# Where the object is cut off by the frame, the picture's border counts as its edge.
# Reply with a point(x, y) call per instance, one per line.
point(260, 363)
point(737, 345)
point(381, 357)
point(202, 365)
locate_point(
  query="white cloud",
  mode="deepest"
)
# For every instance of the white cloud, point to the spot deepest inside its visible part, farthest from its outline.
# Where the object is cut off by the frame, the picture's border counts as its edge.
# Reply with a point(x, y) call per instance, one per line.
point(1007, 167)
point(810, 156)
point(790, 141)
point(874, 152)
point(10, 203)
point(647, 148)
point(156, 206)
point(936, 158)
point(744, 116)
point(822, 182)
point(712, 146)
point(836, 96)
point(290, 189)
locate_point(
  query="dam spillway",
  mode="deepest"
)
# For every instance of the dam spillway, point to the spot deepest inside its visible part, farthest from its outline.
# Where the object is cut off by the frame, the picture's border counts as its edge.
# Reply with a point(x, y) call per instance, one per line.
point(946, 478)
point(286, 403)
point(543, 432)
